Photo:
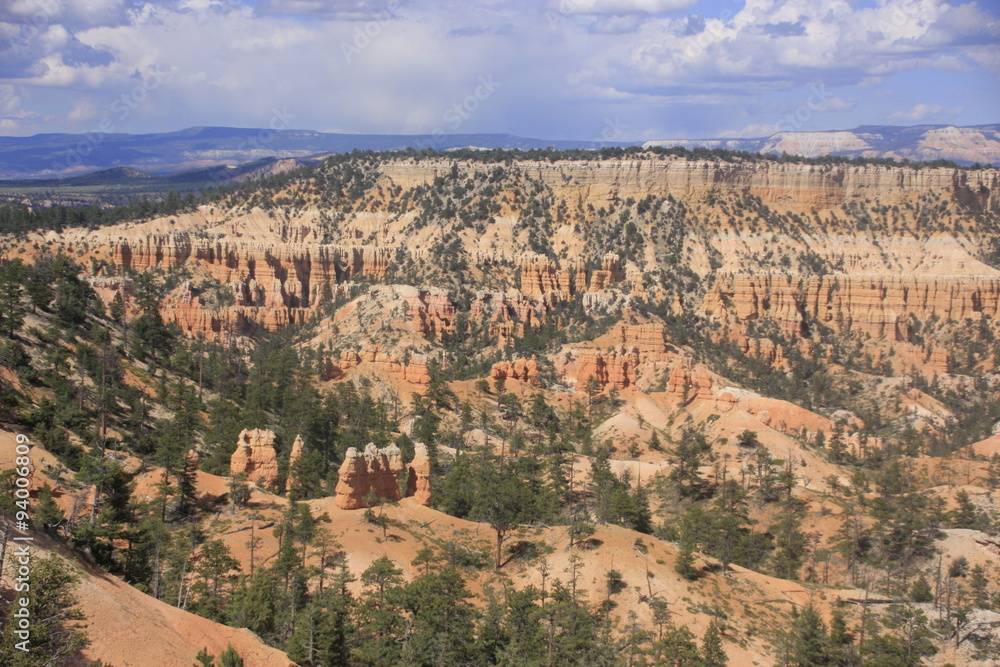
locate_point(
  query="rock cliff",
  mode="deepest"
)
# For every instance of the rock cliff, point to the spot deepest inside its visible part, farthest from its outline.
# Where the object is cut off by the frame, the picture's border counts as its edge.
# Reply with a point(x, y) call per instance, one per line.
point(784, 185)
point(878, 305)
point(413, 370)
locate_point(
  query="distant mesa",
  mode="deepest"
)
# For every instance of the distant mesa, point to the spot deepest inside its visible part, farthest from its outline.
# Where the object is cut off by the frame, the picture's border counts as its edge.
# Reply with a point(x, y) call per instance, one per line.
point(921, 143)
point(203, 149)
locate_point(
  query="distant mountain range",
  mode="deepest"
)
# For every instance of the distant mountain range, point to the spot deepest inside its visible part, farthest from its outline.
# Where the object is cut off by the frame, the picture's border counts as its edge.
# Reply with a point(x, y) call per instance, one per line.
point(62, 155)
point(58, 155)
point(962, 145)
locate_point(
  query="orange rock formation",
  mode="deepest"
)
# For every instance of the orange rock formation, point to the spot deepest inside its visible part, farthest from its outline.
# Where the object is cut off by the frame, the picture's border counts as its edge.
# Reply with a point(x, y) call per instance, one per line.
point(611, 369)
point(297, 449)
point(256, 458)
point(378, 470)
point(418, 480)
point(539, 278)
point(525, 370)
point(878, 305)
point(273, 284)
point(414, 372)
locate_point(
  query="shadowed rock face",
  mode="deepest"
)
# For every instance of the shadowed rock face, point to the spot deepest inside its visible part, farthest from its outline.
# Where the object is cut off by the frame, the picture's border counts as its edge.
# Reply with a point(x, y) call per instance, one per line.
point(379, 469)
point(256, 458)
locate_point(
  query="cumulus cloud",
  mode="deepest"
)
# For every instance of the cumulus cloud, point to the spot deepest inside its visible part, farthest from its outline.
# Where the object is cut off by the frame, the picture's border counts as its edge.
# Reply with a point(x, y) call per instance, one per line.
point(567, 66)
point(331, 9)
point(924, 112)
point(768, 43)
point(619, 7)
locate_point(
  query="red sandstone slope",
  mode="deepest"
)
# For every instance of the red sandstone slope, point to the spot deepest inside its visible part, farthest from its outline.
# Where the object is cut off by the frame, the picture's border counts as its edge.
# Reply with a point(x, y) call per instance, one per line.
point(130, 629)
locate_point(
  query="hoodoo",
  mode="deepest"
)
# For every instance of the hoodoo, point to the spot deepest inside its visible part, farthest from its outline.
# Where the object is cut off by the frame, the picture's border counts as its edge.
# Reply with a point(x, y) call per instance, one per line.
point(379, 469)
point(256, 458)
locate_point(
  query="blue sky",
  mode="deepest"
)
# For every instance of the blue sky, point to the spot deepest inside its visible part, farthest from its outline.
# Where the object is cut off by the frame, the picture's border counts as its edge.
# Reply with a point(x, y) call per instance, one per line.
point(601, 70)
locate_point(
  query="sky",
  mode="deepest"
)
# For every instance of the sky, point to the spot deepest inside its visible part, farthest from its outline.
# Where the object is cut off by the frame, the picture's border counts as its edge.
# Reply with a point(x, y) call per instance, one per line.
point(600, 70)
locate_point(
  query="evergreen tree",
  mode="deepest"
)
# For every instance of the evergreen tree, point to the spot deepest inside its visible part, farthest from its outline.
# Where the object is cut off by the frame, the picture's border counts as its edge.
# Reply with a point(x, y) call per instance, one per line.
point(810, 642)
point(230, 658)
point(921, 590)
point(677, 648)
point(204, 659)
point(687, 459)
point(47, 511)
point(965, 514)
point(502, 504)
point(38, 285)
point(443, 620)
point(52, 610)
point(712, 650)
point(685, 561)
point(380, 619)
point(12, 311)
point(254, 604)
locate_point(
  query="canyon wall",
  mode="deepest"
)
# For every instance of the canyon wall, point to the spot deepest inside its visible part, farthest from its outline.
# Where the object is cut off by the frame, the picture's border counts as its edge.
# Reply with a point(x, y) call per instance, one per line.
point(883, 306)
point(789, 186)
point(271, 274)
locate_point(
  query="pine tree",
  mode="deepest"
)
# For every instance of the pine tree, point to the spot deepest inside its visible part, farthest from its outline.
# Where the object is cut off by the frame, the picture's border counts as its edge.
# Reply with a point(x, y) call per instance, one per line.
point(47, 511)
point(443, 620)
point(254, 604)
point(810, 643)
point(12, 311)
point(380, 618)
point(677, 648)
point(52, 610)
point(117, 310)
point(965, 514)
point(230, 658)
point(685, 561)
point(921, 590)
point(712, 650)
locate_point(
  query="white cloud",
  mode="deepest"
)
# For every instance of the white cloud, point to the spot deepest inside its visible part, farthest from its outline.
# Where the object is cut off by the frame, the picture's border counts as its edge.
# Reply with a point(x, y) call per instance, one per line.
point(797, 40)
point(566, 66)
point(925, 112)
point(14, 118)
point(620, 7)
point(836, 103)
point(753, 130)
